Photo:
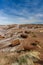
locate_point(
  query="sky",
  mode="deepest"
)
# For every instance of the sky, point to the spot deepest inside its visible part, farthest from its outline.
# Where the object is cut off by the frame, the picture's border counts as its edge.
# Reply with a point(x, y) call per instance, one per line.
point(21, 12)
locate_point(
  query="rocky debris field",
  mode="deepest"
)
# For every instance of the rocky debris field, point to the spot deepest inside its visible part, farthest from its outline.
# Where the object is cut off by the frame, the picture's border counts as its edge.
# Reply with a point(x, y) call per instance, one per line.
point(21, 44)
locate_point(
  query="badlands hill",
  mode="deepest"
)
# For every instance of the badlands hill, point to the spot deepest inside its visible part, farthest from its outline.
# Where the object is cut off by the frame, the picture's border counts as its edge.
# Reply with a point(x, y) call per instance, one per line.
point(21, 44)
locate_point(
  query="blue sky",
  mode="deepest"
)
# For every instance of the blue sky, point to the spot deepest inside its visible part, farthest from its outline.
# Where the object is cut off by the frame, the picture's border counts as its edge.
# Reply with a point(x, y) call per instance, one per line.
point(21, 12)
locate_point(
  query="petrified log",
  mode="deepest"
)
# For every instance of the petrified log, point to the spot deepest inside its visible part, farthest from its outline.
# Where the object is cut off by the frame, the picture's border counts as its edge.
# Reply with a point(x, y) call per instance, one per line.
point(15, 42)
point(27, 46)
point(1, 37)
point(23, 35)
point(27, 32)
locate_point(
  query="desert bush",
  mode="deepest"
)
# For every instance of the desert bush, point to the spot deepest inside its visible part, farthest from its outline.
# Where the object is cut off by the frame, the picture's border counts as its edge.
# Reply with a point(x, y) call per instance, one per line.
point(33, 34)
point(22, 60)
point(28, 58)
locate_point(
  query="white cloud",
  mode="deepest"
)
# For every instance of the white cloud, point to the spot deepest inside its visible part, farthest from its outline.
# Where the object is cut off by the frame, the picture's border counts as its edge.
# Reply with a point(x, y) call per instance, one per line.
point(10, 19)
point(39, 15)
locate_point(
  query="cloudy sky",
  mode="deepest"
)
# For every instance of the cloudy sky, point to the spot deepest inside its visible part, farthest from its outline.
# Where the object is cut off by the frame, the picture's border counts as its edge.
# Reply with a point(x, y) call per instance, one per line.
point(21, 12)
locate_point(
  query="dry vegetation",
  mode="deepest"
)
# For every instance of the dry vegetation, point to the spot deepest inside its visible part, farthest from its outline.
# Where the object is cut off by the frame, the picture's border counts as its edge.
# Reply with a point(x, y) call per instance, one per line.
point(21, 45)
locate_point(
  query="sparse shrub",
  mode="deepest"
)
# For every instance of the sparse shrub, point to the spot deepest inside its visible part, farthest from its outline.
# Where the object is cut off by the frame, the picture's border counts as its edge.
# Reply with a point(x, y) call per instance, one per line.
point(33, 34)
point(22, 60)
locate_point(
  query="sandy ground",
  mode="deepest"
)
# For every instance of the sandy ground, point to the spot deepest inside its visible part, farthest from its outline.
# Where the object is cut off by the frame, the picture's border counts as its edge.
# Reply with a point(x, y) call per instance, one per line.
point(12, 32)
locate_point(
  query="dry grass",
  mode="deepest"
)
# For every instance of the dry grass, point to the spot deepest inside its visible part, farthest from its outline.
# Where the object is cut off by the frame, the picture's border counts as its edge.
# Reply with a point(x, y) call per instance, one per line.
point(26, 58)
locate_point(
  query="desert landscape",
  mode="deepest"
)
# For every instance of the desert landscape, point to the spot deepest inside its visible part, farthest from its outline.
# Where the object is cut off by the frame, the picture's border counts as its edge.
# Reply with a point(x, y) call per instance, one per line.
point(21, 44)
point(21, 32)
